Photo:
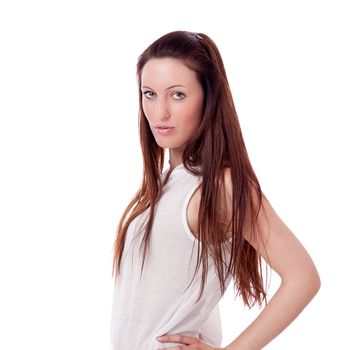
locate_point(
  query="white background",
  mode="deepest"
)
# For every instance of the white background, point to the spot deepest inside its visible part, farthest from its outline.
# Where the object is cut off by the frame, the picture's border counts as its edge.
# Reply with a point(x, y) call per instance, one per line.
point(70, 156)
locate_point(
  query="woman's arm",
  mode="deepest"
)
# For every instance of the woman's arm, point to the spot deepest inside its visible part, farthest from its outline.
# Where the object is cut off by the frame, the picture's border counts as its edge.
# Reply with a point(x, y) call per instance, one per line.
point(300, 281)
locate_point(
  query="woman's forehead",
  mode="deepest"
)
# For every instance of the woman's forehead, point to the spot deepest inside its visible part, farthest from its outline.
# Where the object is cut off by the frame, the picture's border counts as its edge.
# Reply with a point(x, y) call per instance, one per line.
point(167, 72)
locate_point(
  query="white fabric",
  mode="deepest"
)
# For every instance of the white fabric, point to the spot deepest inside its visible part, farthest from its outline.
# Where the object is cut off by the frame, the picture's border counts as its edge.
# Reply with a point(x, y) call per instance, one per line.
point(158, 303)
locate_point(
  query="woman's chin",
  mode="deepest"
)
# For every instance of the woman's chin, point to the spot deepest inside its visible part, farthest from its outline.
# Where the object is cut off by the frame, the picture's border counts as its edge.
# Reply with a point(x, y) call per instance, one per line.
point(166, 144)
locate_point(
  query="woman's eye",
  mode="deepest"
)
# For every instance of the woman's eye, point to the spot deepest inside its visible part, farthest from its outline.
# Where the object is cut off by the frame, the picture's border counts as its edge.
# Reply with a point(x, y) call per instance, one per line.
point(177, 93)
point(146, 92)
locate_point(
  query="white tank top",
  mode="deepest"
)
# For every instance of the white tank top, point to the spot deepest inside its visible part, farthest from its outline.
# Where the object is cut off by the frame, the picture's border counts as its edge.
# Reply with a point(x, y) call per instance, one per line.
point(158, 303)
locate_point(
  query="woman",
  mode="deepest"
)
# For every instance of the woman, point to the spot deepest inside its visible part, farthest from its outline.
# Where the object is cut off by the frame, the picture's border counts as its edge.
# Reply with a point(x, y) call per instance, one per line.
point(208, 200)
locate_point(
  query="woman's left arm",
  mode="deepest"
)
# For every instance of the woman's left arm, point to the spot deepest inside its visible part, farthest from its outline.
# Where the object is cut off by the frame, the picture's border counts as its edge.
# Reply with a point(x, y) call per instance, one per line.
point(300, 281)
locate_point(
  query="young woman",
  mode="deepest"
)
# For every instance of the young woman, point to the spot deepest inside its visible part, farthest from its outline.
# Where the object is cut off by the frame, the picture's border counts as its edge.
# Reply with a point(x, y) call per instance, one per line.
point(209, 202)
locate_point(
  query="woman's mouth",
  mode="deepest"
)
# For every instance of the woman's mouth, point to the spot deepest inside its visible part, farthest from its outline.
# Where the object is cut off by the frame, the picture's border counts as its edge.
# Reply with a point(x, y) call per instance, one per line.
point(164, 130)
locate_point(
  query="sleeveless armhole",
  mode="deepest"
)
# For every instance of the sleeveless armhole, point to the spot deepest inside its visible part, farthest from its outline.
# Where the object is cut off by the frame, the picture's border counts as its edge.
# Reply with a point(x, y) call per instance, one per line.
point(187, 229)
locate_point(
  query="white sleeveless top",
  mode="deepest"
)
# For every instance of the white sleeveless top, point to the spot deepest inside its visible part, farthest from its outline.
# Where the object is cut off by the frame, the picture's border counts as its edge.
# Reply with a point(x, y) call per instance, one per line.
point(157, 304)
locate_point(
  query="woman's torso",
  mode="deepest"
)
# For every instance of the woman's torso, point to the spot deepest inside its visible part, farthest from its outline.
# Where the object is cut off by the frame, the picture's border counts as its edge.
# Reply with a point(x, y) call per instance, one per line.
point(158, 302)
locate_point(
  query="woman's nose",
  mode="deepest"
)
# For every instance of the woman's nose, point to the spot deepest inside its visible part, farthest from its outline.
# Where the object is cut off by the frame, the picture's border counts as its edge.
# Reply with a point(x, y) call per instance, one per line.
point(161, 110)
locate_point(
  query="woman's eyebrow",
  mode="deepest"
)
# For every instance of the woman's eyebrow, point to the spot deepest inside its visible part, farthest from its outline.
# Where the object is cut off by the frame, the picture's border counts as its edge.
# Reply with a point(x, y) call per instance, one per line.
point(144, 86)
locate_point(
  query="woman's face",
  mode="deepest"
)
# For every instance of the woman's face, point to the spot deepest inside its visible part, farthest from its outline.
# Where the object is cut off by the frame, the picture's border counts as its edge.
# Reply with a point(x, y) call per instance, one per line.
point(173, 97)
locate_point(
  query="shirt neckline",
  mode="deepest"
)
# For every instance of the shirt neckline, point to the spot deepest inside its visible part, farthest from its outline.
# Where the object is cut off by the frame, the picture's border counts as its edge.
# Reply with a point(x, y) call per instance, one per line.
point(179, 166)
point(174, 171)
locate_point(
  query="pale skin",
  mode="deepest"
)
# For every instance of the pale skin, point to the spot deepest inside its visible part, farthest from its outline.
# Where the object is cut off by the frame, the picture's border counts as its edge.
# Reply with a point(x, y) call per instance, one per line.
point(178, 106)
point(283, 251)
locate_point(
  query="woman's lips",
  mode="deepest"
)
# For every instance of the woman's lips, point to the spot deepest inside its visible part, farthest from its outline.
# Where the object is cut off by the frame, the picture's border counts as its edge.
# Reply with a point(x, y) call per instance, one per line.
point(164, 130)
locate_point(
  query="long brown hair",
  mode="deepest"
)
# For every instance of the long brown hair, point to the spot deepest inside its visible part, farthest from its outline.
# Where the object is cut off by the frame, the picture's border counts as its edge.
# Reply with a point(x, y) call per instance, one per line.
point(216, 146)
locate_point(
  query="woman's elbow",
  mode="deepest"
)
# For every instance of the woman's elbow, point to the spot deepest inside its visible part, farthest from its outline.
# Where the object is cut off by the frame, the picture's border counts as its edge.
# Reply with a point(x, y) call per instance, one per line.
point(316, 282)
point(306, 282)
point(311, 279)
point(310, 287)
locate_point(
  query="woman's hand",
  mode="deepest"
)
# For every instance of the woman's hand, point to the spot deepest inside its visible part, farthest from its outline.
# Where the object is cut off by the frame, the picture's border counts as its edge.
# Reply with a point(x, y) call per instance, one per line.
point(186, 342)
